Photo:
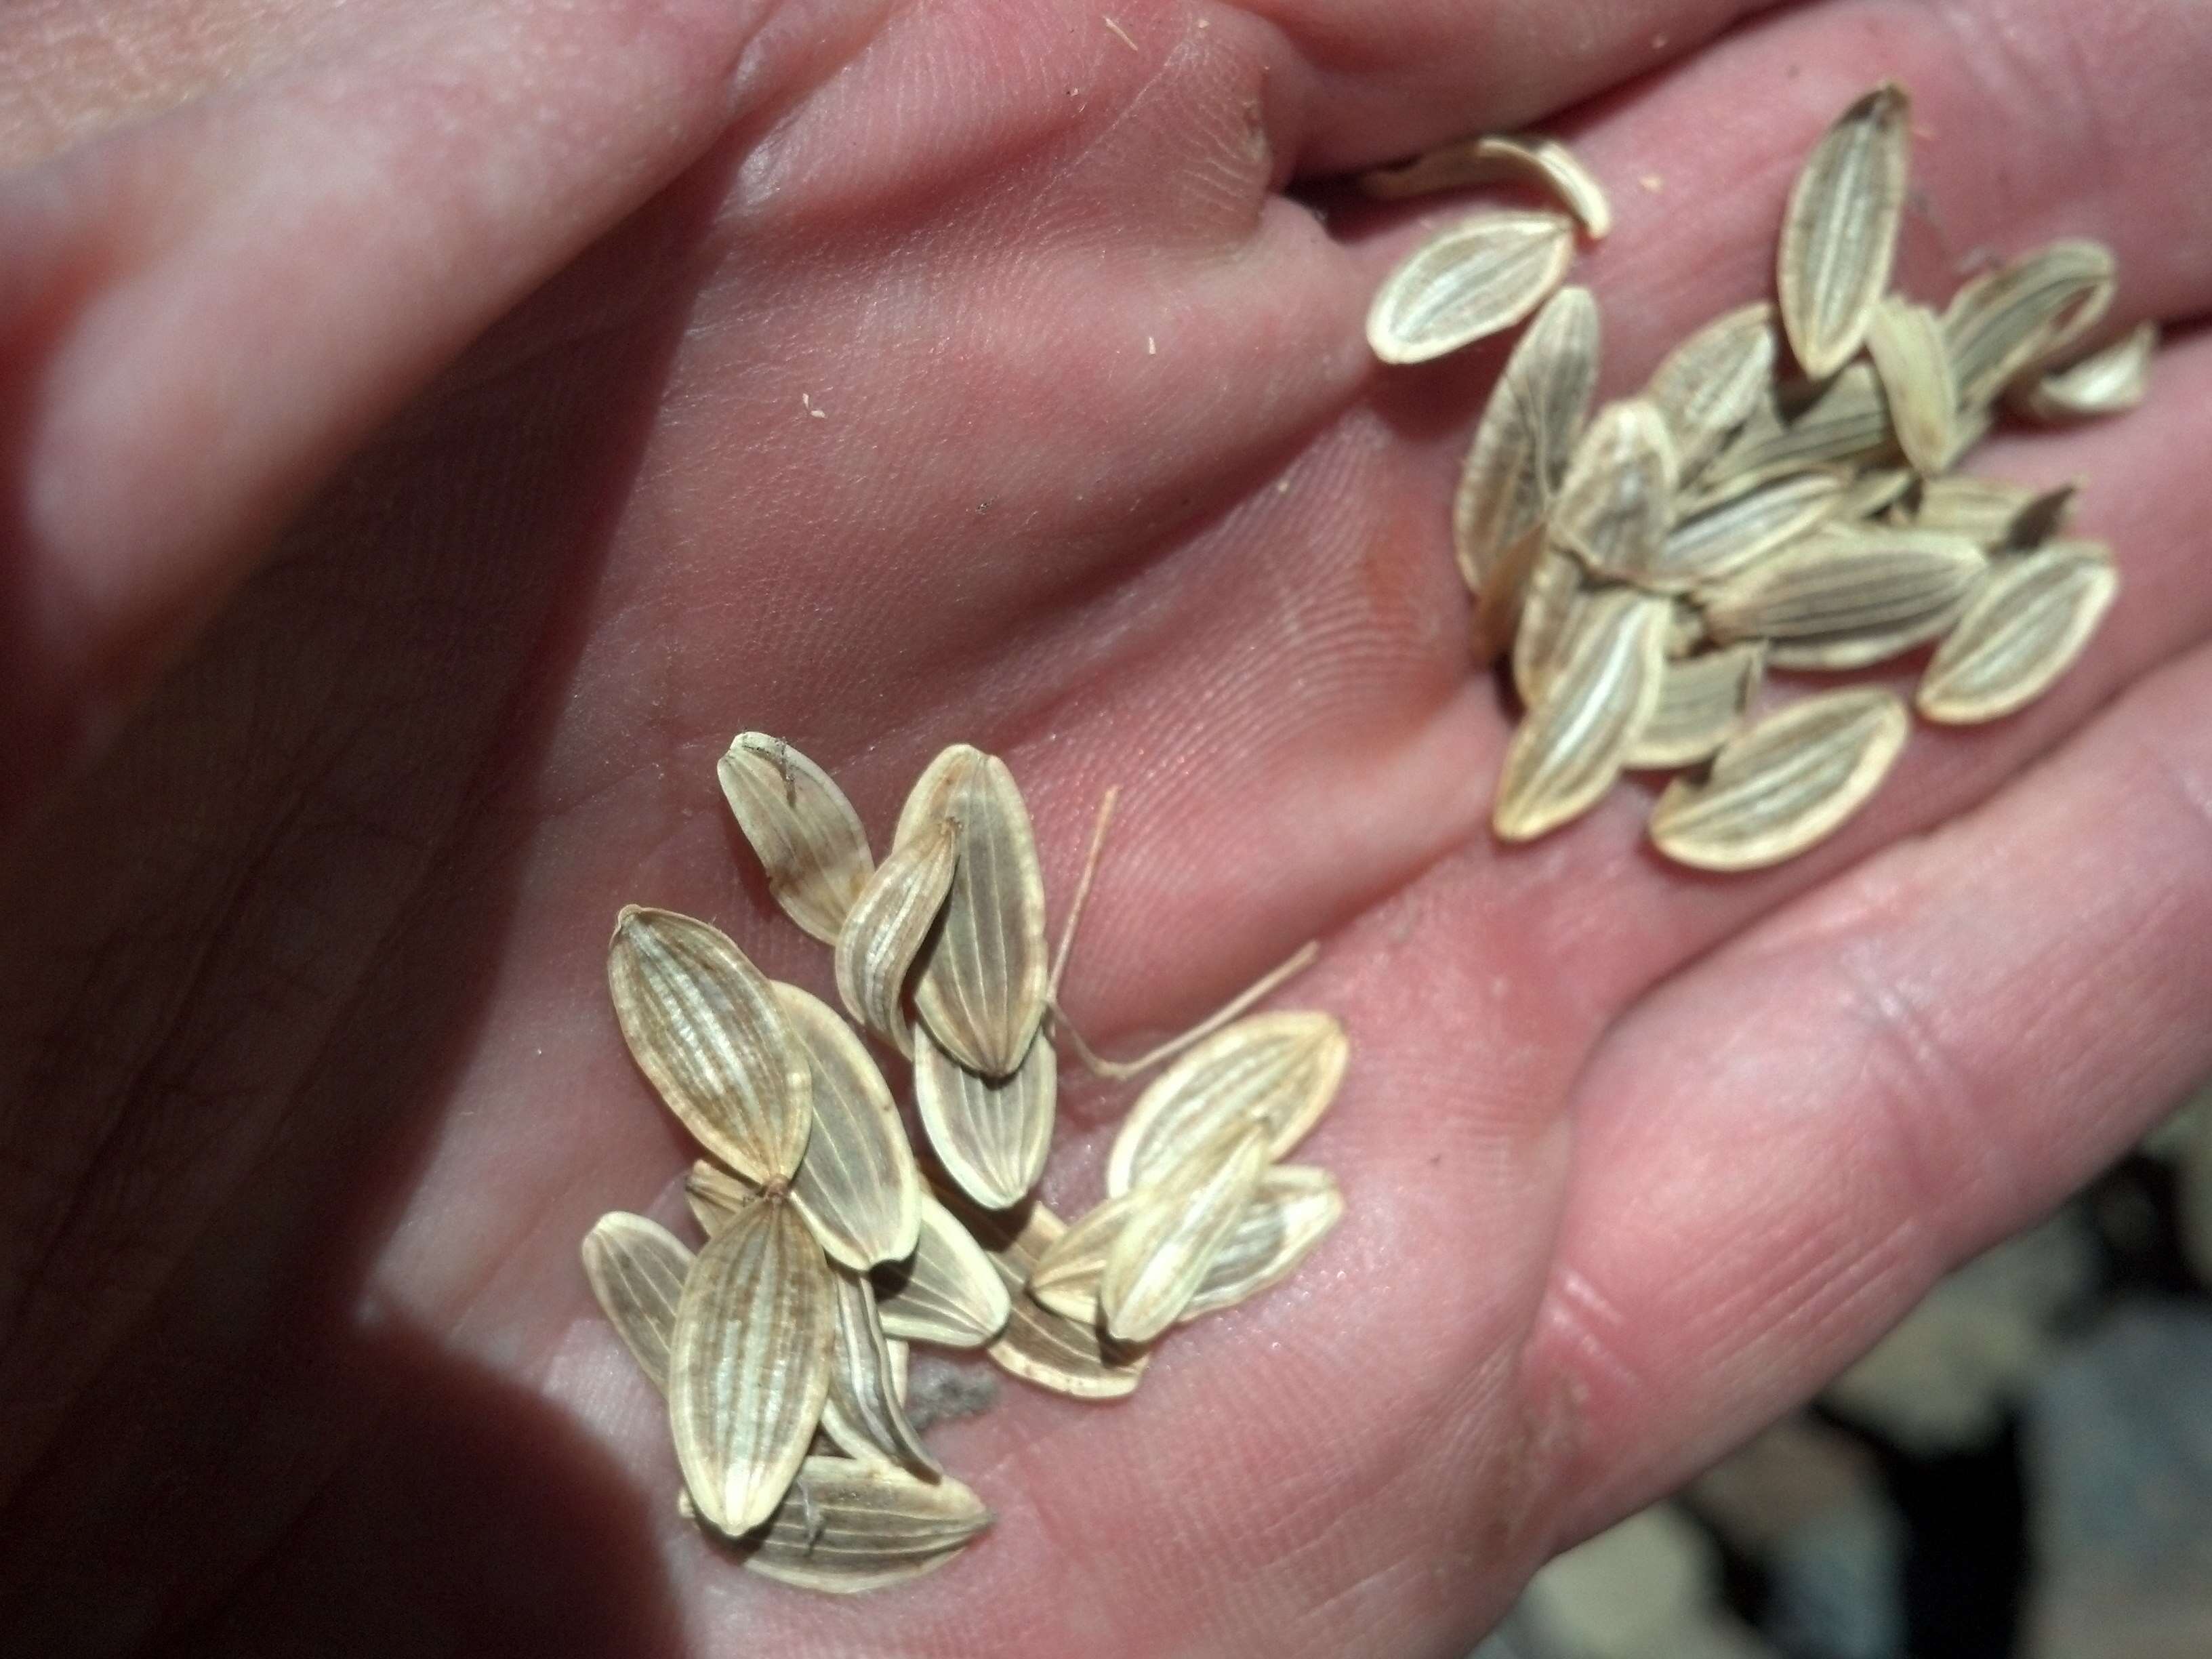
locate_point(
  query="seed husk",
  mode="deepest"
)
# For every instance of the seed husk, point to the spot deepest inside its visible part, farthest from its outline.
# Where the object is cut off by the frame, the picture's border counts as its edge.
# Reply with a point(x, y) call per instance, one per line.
point(1156, 1263)
point(861, 1411)
point(1843, 422)
point(1993, 514)
point(1907, 344)
point(857, 1186)
point(1616, 501)
point(1789, 780)
point(2023, 630)
point(1479, 276)
point(992, 1137)
point(848, 1525)
point(1283, 1067)
point(706, 1028)
point(948, 1293)
point(748, 1363)
point(2109, 381)
point(637, 1269)
point(1519, 455)
point(1702, 701)
point(984, 970)
point(1736, 531)
point(1038, 1345)
point(1495, 158)
point(1839, 233)
point(807, 836)
point(1708, 387)
point(2002, 325)
point(1550, 607)
point(887, 927)
point(1848, 595)
point(1567, 751)
point(1295, 1208)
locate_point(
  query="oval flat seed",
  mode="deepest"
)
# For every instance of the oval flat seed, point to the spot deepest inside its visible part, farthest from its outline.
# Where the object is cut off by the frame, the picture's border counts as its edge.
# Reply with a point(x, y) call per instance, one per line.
point(886, 928)
point(1282, 1068)
point(1065, 1277)
point(1156, 1265)
point(638, 1270)
point(1702, 701)
point(1991, 513)
point(1295, 1207)
point(807, 836)
point(1038, 1345)
point(2023, 630)
point(705, 1027)
point(1709, 386)
point(847, 1527)
point(1843, 422)
point(1570, 747)
point(1480, 276)
point(1550, 608)
point(1615, 503)
point(861, 1411)
point(1791, 781)
point(1848, 595)
point(857, 1186)
point(2107, 382)
point(1737, 531)
point(1839, 232)
point(1495, 158)
point(2002, 325)
point(948, 1293)
point(992, 1137)
point(983, 971)
point(715, 1196)
point(1907, 344)
point(749, 1363)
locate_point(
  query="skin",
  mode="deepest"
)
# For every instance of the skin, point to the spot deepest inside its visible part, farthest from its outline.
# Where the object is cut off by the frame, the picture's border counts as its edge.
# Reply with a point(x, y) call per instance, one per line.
point(414, 477)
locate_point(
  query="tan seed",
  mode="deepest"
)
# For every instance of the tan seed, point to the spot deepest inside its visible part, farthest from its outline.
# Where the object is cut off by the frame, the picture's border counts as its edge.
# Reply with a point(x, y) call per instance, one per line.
point(1843, 422)
point(948, 1293)
point(861, 1411)
point(1480, 276)
point(1156, 1265)
point(887, 925)
point(2003, 325)
point(992, 1136)
point(638, 1270)
point(1550, 610)
point(1496, 158)
point(1038, 1345)
point(847, 1527)
point(1282, 1068)
point(1294, 1209)
point(1709, 386)
point(1065, 1277)
point(1848, 595)
point(1839, 234)
point(1907, 345)
point(1991, 513)
point(809, 839)
point(1617, 500)
point(1736, 531)
point(2023, 630)
point(857, 1186)
point(1702, 701)
point(2107, 382)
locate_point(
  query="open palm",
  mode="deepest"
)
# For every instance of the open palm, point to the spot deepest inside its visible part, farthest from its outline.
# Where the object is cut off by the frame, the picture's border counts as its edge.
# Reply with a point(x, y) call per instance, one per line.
point(478, 413)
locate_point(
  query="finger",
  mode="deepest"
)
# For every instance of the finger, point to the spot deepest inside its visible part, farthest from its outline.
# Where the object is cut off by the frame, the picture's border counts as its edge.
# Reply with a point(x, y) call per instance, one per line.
point(201, 314)
point(1778, 1153)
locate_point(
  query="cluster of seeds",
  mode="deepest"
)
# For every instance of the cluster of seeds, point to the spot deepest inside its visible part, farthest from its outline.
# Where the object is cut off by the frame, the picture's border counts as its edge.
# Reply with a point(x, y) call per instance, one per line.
point(1772, 500)
point(782, 1345)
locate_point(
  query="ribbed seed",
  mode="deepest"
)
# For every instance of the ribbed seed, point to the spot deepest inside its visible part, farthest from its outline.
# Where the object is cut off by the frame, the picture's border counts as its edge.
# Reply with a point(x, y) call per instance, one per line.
point(1839, 233)
point(1843, 422)
point(992, 1136)
point(1480, 276)
point(1554, 598)
point(637, 1269)
point(1065, 1277)
point(1907, 345)
point(1702, 701)
point(2023, 630)
point(1156, 1263)
point(807, 836)
point(1736, 531)
point(716, 1197)
point(948, 1293)
point(861, 1411)
point(847, 1527)
point(1994, 514)
point(705, 1027)
point(887, 925)
point(1571, 745)
point(1617, 497)
point(1496, 158)
point(1708, 387)
point(1295, 1207)
point(1791, 781)
point(1038, 1345)
point(1848, 595)
point(857, 1186)
point(2109, 381)
point(2004, 324)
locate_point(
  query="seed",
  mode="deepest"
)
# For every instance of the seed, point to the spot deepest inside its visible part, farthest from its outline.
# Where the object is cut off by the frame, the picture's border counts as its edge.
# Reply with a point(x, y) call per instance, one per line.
point(2107, 382)
point(1848, 595)
point(1992, 514)
point(1480, 276)
point(948, 1293)
point(1549, 610)
point(1839, 234)
point(1907, 345)
point(2023, 630)
point(1708, 387)
point(1617, 497)
point(861, 1411)
point(1282, 1068)
point(1736, 531)
point(1872, 494)
point(847, 1527)
point(1702, 701)
point(637, 1269)
point(1294, 1209)
point(1787, 782)
point(887, 927)
point(1156, 1265)
point(1519, 158)
point(992, 1136)
point(706, 1028)
point(1571, 746)
point(1065, 1277)
point(809, 839)
point(2002, 325)
point(983, 971)
point(1843, 422)
point(857, 1186)
point(749, 1363)
point(1038, 1345)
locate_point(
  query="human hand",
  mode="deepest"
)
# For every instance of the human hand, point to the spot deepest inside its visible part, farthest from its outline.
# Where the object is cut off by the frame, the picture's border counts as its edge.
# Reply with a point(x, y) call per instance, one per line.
point(488, 409)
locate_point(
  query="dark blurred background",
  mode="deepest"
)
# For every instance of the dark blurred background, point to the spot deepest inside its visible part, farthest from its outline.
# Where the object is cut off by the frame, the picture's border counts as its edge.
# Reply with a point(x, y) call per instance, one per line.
point(2021, 1470)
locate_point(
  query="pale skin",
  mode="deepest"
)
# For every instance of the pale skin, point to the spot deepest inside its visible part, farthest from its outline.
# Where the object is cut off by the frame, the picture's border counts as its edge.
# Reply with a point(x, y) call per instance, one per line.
point(433, 429)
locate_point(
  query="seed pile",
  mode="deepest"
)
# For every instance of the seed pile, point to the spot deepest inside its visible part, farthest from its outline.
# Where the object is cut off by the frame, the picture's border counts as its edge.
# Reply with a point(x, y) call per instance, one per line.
point(782, 1345)
point(1779, 495)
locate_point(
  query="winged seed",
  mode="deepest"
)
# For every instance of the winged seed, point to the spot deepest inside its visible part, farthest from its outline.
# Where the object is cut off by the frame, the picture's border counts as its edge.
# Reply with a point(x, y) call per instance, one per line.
point(1496, 158)
point(1738, 530)
point(638, 1270)
point(1566, 753)
point(1295, 1208)
point(706, 1028)
point(861, 1411)
point(1848, 595)
point(2022, 631)
point(2004, 324)
point(1282, 1068)
point(1155, 1266)
point(847, 1527)
point(2109, 381)
point(857, 1186)
point(992, 1137)
point(1479, 276)
point(1907, 344)
point(748, 1363)
point(1839, 232)
point(1038, 1345)
point(1787, 782)
point(984, 970)
point(1702, 701)
point(808, 836)
point(1615, 505)
point(948, 1293)
point(1708, 387)
point(887, 925)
